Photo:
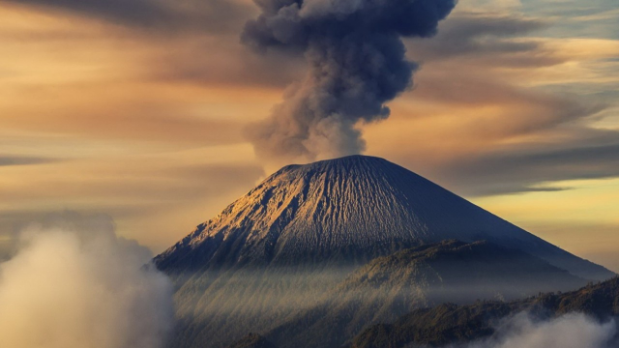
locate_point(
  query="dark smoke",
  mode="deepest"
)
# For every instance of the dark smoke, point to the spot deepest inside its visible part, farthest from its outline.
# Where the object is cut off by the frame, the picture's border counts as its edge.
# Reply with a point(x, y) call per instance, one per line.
point(356, 61)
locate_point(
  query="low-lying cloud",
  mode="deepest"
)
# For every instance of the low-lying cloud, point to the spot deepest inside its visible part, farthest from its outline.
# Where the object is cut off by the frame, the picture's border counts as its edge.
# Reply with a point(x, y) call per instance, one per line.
point(569, 331)
point(73, 283)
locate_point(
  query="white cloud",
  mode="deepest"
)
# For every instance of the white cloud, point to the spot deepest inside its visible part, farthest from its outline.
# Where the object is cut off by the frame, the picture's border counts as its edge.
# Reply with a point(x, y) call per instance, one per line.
point(569, 331)
point(74, 284)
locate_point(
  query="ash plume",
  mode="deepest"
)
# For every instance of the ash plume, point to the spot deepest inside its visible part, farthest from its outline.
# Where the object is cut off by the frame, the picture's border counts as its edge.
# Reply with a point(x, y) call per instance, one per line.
point(356, 63)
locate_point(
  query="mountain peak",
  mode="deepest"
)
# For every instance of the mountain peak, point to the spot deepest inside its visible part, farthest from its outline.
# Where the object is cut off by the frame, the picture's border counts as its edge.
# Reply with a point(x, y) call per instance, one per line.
point(342, 162)
point(343, 169)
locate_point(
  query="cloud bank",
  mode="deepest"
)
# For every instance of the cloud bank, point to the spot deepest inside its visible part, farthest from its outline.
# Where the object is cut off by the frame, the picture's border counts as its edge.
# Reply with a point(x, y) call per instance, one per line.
point(357, 62)
point(74, 284)
point(163, 16)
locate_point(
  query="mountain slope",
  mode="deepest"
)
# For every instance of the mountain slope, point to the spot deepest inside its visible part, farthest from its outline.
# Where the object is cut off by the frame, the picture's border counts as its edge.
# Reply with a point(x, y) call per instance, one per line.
point(338, 210)
point(391, 286)
point(450, 323)
point(283, 246)
point(252, 341)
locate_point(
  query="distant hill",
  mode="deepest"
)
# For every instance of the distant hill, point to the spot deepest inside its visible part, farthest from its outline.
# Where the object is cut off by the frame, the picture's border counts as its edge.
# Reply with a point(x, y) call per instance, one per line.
point(391, 286)
point(280, 249)
point(252, 341)
point(450, 323)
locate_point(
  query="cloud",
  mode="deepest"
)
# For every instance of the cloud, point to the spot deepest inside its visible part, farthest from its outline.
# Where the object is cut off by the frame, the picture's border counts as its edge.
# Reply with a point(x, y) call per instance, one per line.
point(22, 160)
point(221, 61)
point(523, 170)
point(496, 109)
point(479, 36)
point(101, 112)
point(569, 331)
point(74, 283)
point(156, 199)
point(159, 181)
point(214, 16)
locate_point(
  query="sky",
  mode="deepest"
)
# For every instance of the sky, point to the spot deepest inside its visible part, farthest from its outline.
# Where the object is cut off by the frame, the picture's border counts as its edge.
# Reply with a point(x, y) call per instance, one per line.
point(139, 109)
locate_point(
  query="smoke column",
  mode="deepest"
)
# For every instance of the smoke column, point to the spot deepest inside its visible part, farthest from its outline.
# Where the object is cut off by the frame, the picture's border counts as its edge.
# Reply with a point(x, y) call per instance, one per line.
point(74, 284)
point(356, 63)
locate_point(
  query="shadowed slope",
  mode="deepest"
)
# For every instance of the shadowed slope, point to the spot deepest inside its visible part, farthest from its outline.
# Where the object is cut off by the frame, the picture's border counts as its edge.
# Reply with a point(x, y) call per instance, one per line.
point(391, 286)
point(450, 323)
point(252, 341)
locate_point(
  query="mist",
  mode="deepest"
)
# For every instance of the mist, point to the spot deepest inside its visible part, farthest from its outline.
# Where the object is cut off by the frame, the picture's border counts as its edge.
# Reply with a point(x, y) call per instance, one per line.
point(569, 331)
point(73, 283)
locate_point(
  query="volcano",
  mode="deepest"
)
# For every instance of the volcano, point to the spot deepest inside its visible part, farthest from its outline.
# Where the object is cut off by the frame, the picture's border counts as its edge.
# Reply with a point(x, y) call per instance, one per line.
point(278, 250)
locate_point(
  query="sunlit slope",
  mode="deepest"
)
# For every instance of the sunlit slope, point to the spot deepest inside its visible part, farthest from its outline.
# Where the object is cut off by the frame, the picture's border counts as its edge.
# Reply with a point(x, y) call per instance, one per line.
point(338, 210)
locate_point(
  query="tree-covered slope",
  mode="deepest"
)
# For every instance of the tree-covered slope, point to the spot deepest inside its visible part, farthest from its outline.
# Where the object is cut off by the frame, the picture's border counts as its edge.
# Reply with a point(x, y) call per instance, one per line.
point(450, 323)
